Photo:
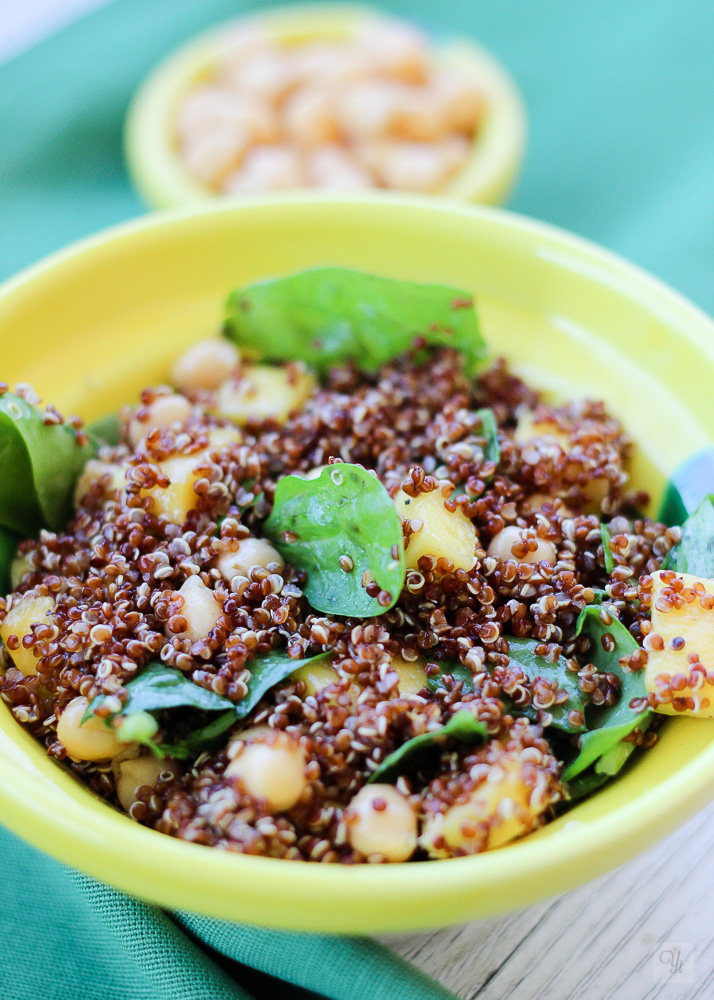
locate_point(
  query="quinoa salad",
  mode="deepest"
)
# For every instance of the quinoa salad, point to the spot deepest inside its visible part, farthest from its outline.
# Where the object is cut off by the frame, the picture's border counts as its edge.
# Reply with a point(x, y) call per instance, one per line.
point(346, 590)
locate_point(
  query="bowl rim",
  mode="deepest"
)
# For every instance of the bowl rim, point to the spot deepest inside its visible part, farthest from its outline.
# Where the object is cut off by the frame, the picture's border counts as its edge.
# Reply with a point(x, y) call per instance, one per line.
point(163, 181)
point(138, 858)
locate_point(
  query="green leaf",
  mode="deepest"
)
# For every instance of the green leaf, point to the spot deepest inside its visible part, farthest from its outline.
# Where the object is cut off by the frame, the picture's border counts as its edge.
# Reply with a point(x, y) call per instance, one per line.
point(332, 315)
point(523, 654)
point(39, 466)
point(489, 430)
point(8, 550)
point(695, 551)
point(345, 512)
point(463, 727)
point(454, 669)
point(106, 429)
point(606, 536)
point(607, 726)
point(159, 687)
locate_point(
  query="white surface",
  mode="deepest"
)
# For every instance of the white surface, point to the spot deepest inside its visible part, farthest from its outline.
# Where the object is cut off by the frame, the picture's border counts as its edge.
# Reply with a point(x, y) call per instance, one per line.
point(642, 933)
point(23, 22)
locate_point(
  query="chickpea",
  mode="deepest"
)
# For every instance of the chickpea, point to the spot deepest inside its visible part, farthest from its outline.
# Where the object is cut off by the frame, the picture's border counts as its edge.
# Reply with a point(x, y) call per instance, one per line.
point(501, 547)
point(381, 821)
point(310, 117)
point(241, 556)
point(396, 50)
point(458, 103)
point(212, 157)
point(211, 112)
point(369, 110)
point(205, 365)
point(266, 168)
point(200, 608)
point(416, 166)
point(333, 168)
point(92, 741)
point(273, 770)
point(165, 411)
point(536, 502)
point(137, 772)
point(265, 73)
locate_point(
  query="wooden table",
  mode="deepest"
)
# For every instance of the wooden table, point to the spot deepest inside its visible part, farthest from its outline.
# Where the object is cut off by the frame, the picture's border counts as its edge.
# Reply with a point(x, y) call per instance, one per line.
point(644, 931)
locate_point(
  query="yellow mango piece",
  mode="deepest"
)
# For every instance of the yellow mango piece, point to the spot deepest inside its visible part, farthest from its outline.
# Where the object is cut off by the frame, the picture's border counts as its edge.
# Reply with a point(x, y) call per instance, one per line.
point(219, 437)
point(263, 391)
point(315, 676)
point(443, 533)
point(503, 801)
point(95, 470)
point(173, 502)
point(412, 677)
point(529, 429)
point(26, 611)
point(684, 623)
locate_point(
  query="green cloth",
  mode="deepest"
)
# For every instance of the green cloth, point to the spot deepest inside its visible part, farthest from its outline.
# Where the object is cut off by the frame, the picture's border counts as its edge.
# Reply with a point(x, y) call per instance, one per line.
point(621, 150)
point(65, 937)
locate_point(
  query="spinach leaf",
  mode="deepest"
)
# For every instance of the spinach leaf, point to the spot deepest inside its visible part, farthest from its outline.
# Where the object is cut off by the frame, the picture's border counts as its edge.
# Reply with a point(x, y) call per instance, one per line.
point(523, 654)
point(106, 429)
point(39, 466)
point(608, 726)
point(463, 727)
point(606, 536)
point(8, 549)
point(489, 430)
point(159, 687)
point(695, 551)
point(454, 669)
point(331, 315)
point(689, 482)
point(345, 514)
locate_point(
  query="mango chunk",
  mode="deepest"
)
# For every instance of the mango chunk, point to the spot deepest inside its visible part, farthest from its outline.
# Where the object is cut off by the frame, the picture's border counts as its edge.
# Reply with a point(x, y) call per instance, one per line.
point(680, 647)
point(96, 470)
point(263, 391)
point(173, 502)
point(315, 676)
point(437, 531)
point(26, 611)
point(504, 804)
point(529, 428)
point(412, 676)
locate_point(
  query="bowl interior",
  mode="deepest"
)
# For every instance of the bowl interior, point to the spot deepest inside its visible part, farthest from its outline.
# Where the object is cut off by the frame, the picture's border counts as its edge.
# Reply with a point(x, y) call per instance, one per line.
point(162, 179)
point(92, 326)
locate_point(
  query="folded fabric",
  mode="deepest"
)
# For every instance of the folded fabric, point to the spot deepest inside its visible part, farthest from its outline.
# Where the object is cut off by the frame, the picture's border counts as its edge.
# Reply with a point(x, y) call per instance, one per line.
point(67, 936)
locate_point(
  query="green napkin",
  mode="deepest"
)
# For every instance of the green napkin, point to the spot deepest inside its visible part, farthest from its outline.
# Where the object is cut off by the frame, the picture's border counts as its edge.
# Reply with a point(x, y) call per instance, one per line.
point(66, 936)
point(621, 150)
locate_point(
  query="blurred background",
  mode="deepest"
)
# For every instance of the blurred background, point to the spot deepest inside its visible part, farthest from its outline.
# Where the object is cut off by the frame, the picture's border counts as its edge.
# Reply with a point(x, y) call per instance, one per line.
point(620, 99)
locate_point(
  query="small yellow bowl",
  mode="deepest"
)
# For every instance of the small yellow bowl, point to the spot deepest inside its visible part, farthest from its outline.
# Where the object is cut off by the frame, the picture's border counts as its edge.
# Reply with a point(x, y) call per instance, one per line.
point(92, 325)
point(163, 181)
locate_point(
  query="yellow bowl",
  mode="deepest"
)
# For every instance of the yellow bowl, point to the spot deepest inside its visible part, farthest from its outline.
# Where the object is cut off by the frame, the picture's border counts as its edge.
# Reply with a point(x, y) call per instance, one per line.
point(92, 325)
point(161, 178)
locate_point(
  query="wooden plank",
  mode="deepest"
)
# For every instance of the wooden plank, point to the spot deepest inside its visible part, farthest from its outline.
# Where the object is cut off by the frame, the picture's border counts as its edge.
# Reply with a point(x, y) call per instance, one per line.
point(607, 940)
